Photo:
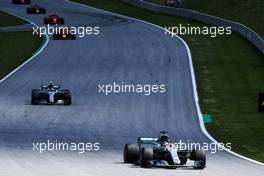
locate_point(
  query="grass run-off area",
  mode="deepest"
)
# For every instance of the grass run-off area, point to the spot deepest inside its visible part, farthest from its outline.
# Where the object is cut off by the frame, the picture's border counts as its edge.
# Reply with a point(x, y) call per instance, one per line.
point(229, 72)
point(16, 47)
point(250, 13)
point(9, 20)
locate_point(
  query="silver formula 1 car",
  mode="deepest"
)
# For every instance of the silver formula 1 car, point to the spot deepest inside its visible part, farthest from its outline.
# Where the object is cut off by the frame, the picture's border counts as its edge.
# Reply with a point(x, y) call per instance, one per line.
point(50, 94)
point(162, 152)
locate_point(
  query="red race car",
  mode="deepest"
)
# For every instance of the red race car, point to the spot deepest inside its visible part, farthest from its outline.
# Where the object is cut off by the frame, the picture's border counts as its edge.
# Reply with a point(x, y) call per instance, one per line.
point(21, 1)
point(64, 34)
point(36, 9)
point(53, 19)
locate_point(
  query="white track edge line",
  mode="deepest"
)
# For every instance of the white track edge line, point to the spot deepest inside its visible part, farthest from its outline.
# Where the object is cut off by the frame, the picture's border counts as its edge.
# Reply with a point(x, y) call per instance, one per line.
point(195, 94)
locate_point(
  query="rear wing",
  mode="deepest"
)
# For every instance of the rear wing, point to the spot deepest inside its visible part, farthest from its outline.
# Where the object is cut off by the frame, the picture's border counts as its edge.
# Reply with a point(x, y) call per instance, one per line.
point(147, 140)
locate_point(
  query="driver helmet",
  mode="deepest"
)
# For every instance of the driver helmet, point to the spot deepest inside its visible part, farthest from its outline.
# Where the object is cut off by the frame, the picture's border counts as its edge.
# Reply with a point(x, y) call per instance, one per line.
point(164, 137)
point(50, 85)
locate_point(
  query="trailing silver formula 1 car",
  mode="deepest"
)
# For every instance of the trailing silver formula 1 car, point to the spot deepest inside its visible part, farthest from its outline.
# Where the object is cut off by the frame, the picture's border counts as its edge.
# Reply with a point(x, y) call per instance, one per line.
point(162, 152)
point(50, 94)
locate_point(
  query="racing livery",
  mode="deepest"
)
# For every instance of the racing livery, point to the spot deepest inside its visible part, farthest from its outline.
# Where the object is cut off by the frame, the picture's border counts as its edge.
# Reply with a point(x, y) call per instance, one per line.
point(64, 34)
point(21, 1)
point(53, 19)
point(162, 152)
point(36, 9)
point(50, 94)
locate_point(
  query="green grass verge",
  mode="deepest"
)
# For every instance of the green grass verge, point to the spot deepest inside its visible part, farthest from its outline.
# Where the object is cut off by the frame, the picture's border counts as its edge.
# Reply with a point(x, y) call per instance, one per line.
point(250, 13)
point(229, 72)
point(16, 47)
point(9, 20)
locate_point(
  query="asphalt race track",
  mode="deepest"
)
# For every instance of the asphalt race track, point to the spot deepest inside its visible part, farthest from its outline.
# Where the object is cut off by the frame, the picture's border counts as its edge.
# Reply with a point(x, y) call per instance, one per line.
point(127, 51)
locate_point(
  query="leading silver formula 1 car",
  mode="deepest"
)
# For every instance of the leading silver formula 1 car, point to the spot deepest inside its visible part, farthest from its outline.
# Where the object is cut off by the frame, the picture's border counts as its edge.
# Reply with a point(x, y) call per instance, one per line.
point(50, 94)
point(162, 152)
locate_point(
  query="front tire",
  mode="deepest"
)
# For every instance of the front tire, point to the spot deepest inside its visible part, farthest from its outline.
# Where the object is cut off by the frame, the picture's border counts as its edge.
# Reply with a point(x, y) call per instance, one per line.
point(67, 97)
point(199, 157)
point(145, 157)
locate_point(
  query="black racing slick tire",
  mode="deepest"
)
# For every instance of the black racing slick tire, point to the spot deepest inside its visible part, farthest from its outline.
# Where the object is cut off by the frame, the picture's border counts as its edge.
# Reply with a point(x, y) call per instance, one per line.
point(67, 97)
point(131, 153)
point(35, 97)
point(72, 37)
point(15, 1)
point(146, 157)
point(46, 21)
point(44, 11)
point(29, 11)
point(55, 36)
point(199, 157)
point(61, 21)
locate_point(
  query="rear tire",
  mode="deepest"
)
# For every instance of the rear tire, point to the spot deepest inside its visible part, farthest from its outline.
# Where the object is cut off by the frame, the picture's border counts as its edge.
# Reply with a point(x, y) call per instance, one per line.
point(145, 157)
point(35, 97)
point(131, 153)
